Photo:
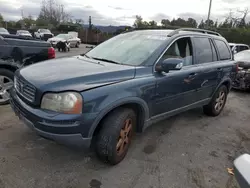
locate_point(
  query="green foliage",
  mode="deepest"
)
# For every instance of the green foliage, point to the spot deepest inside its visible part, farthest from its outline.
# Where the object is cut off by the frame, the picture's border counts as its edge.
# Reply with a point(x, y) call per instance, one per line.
point(1, 20)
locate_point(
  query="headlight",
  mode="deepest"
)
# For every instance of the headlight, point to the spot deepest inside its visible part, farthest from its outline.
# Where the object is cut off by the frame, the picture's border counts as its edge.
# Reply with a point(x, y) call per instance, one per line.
point(67, 102)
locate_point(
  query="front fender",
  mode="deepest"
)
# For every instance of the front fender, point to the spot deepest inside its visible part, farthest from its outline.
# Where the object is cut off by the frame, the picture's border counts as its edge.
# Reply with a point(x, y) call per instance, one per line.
point(10, 64)
point(117, 103)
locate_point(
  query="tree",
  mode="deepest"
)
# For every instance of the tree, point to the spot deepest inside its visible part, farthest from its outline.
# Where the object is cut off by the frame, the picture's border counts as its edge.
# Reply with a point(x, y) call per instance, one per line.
point(28, 21)
point(138, 22)
point(1, 20)
point(152, 23)
point(165, 22)
point(201, 25)
point(191, 23)
point(209, 23)
point(52, 12)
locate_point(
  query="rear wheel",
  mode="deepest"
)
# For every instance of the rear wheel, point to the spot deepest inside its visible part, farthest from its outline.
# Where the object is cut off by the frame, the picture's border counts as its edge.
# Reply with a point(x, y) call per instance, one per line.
point(115, 136)
point(217, 103)
point(6, 83)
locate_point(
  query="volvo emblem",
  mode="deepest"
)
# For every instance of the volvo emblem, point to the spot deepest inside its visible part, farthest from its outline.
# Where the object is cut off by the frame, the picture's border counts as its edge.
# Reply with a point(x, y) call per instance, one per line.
point(21, 87)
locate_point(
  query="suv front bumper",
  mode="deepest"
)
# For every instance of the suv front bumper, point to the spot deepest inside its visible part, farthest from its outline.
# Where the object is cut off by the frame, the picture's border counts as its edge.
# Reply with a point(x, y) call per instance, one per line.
point(63, 130)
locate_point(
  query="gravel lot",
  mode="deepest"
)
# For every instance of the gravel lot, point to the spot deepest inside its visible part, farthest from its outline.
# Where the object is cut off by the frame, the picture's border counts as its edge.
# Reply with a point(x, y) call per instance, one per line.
point(187, 150)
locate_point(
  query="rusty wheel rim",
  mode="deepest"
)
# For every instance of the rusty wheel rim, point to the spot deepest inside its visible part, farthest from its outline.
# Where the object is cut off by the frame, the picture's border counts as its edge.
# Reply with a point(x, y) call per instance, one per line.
point(124, 137)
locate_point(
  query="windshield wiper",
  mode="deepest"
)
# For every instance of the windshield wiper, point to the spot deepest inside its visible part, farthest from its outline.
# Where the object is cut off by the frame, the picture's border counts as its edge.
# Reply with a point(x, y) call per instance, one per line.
point(106, 60)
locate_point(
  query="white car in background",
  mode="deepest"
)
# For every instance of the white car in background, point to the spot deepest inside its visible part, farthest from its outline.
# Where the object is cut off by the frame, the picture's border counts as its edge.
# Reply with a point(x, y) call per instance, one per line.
point(23, 33)
point(4, 31)
point(236, 48)
point(69, 38)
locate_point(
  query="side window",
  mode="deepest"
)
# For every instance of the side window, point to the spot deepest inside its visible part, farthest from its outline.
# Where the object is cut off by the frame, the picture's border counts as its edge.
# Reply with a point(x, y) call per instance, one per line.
point(243, 48)
point(203, 50)
point(223, 50)
point(182, 48)
point(215, 56)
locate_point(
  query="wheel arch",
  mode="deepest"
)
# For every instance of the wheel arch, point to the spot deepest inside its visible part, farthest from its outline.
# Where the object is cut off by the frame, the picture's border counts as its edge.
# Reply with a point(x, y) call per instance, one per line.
point(227, 82)
point(7, 66)
point(138, 105)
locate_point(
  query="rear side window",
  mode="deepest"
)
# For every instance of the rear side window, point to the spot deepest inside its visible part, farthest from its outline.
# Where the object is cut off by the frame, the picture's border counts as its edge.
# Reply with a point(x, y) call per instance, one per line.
point(203, 50)
point(243, 48)
point(223, 50)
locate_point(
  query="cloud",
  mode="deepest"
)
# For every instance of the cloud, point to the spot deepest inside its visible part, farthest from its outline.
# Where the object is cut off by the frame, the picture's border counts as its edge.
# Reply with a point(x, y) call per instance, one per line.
point(158, 17)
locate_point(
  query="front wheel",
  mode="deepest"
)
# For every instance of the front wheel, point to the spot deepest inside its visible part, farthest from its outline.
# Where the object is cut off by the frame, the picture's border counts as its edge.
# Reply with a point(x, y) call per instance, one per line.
point(217, 103)
point(6, 83)
point(115, 136)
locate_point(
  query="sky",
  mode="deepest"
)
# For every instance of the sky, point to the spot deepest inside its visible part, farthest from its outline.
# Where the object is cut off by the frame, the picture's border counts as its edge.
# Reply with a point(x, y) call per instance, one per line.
point(122, 12)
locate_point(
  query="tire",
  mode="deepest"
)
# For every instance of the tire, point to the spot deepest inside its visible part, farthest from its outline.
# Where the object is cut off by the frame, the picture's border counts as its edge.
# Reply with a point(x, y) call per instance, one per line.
point(77, 45)
point(10, 75)
point(109, 138)
point(216, 105)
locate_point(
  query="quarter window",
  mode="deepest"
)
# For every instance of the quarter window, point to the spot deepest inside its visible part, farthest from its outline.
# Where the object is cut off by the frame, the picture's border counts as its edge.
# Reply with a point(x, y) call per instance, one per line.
point(223, 50)
point(203, 50)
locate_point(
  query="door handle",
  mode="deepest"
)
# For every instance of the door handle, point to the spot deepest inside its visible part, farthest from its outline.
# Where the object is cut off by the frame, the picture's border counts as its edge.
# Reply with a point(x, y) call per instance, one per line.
point(219, 69)
point(192, 76)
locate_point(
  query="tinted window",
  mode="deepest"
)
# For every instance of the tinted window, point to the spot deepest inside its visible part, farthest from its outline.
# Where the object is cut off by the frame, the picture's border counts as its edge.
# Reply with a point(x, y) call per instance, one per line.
point(223, 50)
point(203, 50)
point(243, 48)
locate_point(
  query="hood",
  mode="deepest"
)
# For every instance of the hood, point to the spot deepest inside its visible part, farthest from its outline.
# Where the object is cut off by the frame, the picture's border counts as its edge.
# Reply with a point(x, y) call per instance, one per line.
point(56, 39)
point(74, 73)
point(25, 34)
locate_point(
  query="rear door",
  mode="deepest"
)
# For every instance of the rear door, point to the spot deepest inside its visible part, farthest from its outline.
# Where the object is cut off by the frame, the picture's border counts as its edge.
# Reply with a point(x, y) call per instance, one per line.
point(206, 58)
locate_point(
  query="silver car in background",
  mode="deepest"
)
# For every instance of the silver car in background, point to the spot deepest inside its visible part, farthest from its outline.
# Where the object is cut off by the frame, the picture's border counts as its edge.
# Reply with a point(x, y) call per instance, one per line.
point(23, 33)
point(72, 40)
point(4, 31)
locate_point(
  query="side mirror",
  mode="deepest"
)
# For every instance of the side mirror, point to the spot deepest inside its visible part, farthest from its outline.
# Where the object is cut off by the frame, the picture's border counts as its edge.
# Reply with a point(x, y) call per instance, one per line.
point(242, 170)
point(171, 64)
point(234, 51)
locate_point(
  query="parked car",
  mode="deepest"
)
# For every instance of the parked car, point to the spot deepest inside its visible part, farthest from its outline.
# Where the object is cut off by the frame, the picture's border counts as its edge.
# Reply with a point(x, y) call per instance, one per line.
point(242, 170)
point(66, 38)
point(24, 33)
point(236, 48)
point(241, 79)
point(122, 86)
point(4, 31)
point(16, 52)
point(43, 34)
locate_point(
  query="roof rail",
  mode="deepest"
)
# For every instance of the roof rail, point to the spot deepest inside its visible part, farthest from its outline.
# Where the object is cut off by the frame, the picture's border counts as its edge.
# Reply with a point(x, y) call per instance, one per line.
point(194, 30)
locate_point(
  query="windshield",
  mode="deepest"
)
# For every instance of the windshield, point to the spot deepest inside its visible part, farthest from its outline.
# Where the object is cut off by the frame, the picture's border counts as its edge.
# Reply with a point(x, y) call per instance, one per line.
point(44, 31)
point(26, 32)
point(2, 30)
point(64, 36)
point(242, 56)
point(131, 48)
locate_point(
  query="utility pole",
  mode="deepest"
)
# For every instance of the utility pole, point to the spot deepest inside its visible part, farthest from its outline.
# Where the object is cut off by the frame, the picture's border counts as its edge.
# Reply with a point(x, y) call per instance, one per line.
point(209, 11)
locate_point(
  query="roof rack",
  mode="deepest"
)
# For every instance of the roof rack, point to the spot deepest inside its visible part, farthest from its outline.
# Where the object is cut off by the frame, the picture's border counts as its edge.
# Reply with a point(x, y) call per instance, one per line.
point(194, 30)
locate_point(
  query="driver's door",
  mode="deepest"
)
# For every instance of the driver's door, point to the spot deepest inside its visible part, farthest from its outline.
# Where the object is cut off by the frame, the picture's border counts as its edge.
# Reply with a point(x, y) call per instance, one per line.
point(176, 89)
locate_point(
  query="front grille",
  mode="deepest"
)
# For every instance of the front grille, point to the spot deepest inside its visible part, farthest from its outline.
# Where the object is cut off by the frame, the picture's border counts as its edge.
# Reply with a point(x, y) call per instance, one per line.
point(47, 36)
point(25, 89)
